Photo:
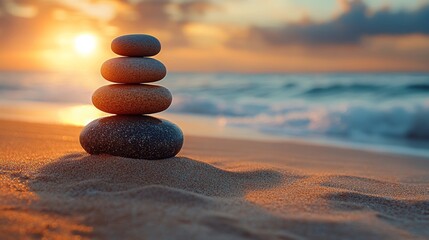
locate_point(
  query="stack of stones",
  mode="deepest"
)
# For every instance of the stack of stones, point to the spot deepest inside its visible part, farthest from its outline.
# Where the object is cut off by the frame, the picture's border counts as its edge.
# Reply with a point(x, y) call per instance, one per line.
point(131, 133)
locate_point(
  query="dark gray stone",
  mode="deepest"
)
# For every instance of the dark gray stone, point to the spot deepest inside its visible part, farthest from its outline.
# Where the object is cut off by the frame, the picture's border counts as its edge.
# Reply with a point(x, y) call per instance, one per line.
point(132, 136)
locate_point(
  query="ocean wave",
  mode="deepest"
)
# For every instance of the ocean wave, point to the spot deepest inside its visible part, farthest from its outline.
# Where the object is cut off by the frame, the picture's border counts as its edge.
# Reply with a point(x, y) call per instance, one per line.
point(212, 107)
point(418, 87)
point(342, 88)
point(353, 121)
point(372, 89)
point(350, 106)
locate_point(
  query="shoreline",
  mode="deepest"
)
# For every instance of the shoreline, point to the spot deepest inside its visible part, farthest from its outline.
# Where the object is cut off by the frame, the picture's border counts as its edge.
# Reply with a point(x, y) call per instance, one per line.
point(261, 139)
point(195, 125)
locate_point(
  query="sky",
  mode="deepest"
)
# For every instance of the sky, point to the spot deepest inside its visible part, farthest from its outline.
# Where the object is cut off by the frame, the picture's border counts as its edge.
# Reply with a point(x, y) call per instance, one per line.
point(250, 36)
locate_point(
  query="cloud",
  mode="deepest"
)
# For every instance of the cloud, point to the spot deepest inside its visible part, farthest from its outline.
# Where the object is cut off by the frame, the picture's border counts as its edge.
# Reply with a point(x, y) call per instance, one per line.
point(25, 11)
point(196, 7)
point(348, 28)
point(23, 20)
point(162, 18)
point(32, 33)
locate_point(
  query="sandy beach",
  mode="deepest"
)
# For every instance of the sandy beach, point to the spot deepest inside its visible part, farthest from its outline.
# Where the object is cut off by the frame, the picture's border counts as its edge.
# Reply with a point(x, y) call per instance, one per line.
point(186, 119)
point(215, 189)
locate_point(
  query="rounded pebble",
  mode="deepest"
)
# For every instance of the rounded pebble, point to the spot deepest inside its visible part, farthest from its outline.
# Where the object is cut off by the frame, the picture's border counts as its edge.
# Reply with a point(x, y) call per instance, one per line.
point(136, 45)
point(132, 98)
point(141, 137)
point(133, 70)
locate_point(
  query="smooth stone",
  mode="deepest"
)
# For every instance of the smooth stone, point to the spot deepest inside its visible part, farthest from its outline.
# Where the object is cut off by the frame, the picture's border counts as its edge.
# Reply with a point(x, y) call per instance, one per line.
point(136, 45)
point(131, 136)
point(133, 70)
point(132, 98)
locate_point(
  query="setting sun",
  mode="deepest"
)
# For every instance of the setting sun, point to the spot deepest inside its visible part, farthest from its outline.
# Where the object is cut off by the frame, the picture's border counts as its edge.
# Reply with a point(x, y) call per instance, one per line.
point(85, 44)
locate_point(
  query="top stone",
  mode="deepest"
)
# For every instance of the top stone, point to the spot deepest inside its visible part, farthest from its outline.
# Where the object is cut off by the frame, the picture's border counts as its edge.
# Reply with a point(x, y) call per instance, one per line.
point(136, 45)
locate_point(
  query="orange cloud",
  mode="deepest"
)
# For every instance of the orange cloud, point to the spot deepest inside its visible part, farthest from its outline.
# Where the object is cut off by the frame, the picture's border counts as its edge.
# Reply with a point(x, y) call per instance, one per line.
point(39, 35)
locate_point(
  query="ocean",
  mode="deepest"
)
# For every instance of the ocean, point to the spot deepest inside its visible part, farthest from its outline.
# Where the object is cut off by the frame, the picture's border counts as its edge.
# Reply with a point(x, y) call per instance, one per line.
point(377, 111)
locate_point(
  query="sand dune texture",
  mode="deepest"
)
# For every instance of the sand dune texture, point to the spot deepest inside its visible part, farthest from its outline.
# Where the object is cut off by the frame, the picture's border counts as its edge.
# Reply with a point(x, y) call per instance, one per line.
point(215, 189)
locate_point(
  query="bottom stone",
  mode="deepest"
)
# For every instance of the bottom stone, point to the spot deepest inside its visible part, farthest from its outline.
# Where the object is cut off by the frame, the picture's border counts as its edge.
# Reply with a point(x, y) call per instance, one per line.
point(132, 136)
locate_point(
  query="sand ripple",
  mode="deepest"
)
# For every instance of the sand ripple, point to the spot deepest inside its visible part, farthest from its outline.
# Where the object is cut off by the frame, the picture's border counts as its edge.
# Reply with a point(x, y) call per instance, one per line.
point(83, 174)
point(181, 197)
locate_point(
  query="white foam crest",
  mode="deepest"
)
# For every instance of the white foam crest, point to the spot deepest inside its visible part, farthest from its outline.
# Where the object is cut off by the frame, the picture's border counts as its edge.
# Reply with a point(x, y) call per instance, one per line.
point(349, 121)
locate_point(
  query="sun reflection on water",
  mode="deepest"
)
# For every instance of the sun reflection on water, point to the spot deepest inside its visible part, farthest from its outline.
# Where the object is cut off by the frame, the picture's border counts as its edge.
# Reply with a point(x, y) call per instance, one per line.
point(78, 115)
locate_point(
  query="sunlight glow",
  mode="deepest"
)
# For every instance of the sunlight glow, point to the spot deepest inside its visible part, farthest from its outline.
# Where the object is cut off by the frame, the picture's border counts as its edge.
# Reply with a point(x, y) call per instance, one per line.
point(78, 115)
point(85, 44)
